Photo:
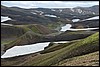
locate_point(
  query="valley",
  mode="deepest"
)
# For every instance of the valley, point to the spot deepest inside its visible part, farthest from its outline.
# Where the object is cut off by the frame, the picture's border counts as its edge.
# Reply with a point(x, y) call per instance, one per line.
point(50, 36)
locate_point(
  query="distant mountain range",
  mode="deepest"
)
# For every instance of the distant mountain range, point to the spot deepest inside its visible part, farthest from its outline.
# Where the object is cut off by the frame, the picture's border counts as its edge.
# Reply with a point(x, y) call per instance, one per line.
point(47, 15)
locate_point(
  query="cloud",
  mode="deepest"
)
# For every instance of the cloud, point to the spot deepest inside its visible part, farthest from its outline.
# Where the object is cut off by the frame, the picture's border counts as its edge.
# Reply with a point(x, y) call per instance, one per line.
point(49, 4)
point(23, 4)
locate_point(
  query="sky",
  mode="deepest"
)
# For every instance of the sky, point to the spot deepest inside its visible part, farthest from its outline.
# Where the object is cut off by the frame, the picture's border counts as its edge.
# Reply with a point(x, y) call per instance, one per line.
point(49, 4)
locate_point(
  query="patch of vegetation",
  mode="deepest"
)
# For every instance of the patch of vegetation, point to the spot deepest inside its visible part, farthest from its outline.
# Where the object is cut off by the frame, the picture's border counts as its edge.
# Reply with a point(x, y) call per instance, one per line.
point(34, 28)
point(78, 48)
point(5, 42)
point(55, 25)
point(55, 46)
point(85, 46)
point(91, 59)
point(12, 31)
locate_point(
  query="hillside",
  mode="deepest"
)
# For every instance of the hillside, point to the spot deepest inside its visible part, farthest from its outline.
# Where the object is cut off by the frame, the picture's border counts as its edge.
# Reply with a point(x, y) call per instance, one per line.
point(41, 29)
point(78, 48)
point(9, 33)
point(31, 37)
point(86, 24)
point(12, 32)
point(91, 59)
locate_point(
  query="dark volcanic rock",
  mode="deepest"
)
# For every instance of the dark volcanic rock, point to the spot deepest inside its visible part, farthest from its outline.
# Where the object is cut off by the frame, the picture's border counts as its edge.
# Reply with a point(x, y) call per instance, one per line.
point(86, 24)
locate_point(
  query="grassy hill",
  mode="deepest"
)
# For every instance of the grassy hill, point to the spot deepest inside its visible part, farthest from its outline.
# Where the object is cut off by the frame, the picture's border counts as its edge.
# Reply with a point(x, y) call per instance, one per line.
point(9, 33)
point(28, 38)
point(73, 35)
point(78, 48)
point(37, 28)
point(35, 34)
point(91, 59)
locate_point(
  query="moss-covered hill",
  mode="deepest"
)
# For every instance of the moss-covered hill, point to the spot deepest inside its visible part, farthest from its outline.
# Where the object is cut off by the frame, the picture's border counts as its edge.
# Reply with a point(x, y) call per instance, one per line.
point(37, 28)
point(78, 48)
point(9, 33)
point(73, 35)
point(28, 38)
point(33, 35)
point(91, 59)
point(18, 30)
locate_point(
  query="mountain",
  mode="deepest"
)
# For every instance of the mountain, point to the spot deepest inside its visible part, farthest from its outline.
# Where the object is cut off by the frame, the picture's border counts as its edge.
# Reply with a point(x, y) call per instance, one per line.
point(94, 8)
point(70, 50)
point(87, 10)
point(49, 17)
point(37, 25)
point(26, 16)
point(32, 15)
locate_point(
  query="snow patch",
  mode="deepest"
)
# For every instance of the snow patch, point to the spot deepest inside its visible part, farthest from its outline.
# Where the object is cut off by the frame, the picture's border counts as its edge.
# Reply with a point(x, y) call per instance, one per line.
point(72, 9)
point(75, 20)
point(50, 15)
point(33, 13)
point(53, 10)
point(83, 29)
point(92, 18)
point(61, 42)
point(93, 12)
point(6, 24)
point(3, 19)
point(79, 10)
point(60, 10)
point(66, 27)
point(23, 50)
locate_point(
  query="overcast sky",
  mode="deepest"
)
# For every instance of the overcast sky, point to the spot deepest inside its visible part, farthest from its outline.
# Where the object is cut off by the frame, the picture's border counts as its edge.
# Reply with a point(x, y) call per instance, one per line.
point(49, 4)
